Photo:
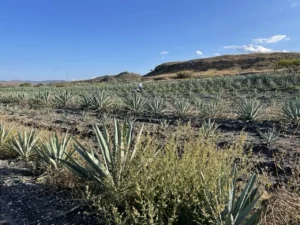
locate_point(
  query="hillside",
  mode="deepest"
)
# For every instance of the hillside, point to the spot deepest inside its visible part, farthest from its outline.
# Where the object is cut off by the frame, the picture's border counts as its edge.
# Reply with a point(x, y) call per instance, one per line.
point(226, 64)
point(121, 77)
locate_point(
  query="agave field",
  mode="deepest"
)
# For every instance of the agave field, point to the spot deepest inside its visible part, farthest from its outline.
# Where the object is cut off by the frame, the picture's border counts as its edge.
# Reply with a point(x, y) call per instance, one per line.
point(221, 150)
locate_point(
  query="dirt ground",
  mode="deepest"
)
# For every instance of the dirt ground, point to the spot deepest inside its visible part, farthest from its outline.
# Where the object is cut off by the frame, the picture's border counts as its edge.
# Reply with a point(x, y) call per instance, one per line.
point(25, 202)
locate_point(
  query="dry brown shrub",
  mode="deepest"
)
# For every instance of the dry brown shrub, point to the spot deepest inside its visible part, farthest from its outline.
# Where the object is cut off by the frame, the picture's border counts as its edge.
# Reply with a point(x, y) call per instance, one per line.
point(63, 179)
point(184, 74)
point(281, 209)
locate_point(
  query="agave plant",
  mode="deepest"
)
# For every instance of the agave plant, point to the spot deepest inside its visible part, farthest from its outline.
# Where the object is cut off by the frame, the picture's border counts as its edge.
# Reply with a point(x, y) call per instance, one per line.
point(238, 208)
point(4, 133)
point(15, 98)
point(291, 110)
point(164, 124)
point(5, 99)
point(104, 118)
point(20, 97)
point(182, 106)
point(101, 100)
point(25, 144)
point(54, 151)
point(208, 128)
point(13, 109)
point(212, 108)
point(135, 102)
point(65, 115)
point(199, 105)
point(64, 98)
point(41, 98)
point(269, 137)
point(117, 103)
point(156, 105)
point(84, 101)
point(116, 154)
point(249, 109)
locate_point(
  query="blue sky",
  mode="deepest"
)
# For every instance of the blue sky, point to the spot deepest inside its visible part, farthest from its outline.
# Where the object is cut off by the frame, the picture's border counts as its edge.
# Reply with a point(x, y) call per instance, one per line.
point(50, 39)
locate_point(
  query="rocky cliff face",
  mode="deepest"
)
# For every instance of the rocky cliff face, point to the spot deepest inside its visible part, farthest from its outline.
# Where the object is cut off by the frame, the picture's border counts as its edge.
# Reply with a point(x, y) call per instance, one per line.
point(257, 62)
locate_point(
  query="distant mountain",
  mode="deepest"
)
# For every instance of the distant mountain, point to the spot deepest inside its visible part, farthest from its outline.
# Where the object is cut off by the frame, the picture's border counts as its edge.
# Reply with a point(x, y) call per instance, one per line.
point(32, 82)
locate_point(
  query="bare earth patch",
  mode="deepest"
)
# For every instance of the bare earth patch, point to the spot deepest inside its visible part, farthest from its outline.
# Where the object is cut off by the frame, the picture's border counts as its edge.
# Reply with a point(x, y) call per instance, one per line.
point(24, 202)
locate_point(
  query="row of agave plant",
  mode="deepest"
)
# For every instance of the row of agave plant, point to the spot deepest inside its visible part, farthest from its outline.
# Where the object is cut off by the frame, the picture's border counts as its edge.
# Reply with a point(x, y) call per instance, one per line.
point(250, 109)
point(101, 101)
point(116, 154)
point(246, 109)
point(257, 81)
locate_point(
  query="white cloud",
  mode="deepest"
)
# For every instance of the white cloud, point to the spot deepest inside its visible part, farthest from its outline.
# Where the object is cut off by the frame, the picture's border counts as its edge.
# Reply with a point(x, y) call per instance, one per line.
point(250, 48)
point(164, 53)
point(199, 52)
point(162, 57)
point(294, 5)
point(217, 54)
point(273, 39)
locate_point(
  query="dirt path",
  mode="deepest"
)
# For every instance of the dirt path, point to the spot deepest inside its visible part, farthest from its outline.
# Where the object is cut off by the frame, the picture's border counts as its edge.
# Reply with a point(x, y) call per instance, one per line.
point(23, 202)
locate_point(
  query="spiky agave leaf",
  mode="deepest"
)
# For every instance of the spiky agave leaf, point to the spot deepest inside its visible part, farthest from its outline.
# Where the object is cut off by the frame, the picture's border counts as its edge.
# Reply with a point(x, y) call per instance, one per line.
point(212, 108)
point(40, 98)
point(135, 102)
point(269, 137)
point(104, 118)
point(164, 124)
point(156, 105)
point(64, 98)
point(208, 128)
point(54, 151)
point(25, 144)
point(116, 154)
point(243, 206)
point(93, 169)
point(199, 105)
point(249, 109)
point(291, 110)
point(100, 100)
point(182, 106)
point(84, 100)
point(4, 132)
point(238, 210)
